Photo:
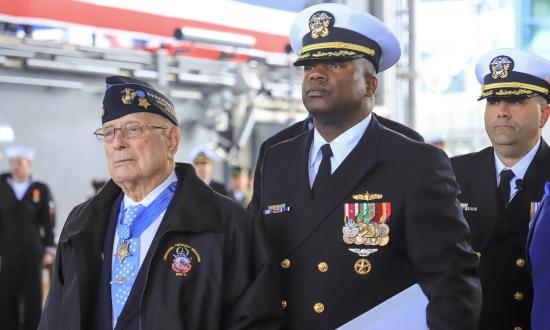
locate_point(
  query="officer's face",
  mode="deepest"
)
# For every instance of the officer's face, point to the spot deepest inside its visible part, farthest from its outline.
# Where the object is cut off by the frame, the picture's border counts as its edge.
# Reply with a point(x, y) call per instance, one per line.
point(515, 122)
point(204, 171)
point(20, 168)
point(332, 89)
point(145, 159)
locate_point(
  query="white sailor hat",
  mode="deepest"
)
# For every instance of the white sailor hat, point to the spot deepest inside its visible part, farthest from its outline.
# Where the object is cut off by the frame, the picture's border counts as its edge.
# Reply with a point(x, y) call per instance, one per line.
point(19, 152)
point(332, 31)
point(511, 72)
point(202, 155)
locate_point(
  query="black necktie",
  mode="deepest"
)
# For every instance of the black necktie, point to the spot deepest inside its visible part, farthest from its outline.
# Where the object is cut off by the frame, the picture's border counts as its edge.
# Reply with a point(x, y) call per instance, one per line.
point(324, 172)
point(504, 187)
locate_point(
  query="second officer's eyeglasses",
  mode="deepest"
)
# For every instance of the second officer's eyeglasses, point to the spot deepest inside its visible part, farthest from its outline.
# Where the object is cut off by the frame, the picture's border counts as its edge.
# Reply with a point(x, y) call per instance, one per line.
point(129, 130)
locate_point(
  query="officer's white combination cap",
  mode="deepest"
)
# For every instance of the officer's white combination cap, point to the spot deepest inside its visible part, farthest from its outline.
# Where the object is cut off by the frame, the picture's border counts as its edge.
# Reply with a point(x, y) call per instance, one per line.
point(512, 72)
point(333, 31)
point(19, 152)
point(202, 155)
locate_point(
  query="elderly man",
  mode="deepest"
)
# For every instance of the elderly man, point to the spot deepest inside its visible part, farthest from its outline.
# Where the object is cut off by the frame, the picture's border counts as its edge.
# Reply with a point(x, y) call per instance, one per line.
point(26, 240)
point(501, 184)
point(356, 212)
point(156, 248)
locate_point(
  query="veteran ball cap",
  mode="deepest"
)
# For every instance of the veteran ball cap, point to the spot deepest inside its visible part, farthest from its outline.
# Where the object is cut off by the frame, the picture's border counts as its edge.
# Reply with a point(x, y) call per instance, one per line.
point(333, 31)
point(124, 95)
point(511, 72)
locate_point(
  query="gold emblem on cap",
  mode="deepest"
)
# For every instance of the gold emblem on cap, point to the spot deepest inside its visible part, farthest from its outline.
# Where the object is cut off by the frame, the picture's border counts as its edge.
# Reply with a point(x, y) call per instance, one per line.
point(128, 95)
point(143, 103)
point(319, 24)
point(500, 66)
point(362, 266)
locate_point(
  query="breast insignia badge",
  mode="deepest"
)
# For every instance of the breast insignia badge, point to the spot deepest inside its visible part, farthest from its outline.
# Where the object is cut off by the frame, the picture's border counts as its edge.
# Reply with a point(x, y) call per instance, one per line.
point(362, 266)
point(183, 257)
point(367, 197)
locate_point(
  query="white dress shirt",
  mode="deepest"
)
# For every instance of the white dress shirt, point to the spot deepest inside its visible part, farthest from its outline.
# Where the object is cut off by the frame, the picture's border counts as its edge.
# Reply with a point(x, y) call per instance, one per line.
point(341, 147)
point(519, 169)
point(147, 236)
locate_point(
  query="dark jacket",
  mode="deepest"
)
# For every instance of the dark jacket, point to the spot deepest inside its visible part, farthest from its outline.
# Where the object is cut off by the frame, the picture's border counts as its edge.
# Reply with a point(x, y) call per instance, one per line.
point(26, 228)
point(500, 236)
point(297, 129)
point(413, 185)
point(231, 285)
point(25, 224)
point(218, 187)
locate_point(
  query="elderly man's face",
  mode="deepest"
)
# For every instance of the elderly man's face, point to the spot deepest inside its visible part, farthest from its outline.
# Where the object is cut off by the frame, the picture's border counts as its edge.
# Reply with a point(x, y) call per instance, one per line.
point(20, 168)
point(146, 158)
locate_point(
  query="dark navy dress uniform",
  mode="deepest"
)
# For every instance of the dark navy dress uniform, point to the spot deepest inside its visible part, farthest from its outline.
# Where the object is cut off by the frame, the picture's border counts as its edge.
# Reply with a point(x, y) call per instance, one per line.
point(500, 235)
point(499, 228)
point(26, 229)
point(297, 129)
point(327, 281)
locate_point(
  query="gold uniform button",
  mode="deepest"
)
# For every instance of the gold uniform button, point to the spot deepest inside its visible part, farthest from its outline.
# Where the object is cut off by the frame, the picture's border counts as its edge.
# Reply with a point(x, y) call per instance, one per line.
point(518, 328)
point(284, 304)
point(520, 262)
point(285, 263)
point(518, 296)
point(323, 267)
point(318, 308)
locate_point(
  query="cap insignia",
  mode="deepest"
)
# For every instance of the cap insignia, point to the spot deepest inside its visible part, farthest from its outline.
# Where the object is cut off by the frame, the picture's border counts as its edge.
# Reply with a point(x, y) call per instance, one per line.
point(500, 66)
point(128, 95)
point(143, 103)
point(319, 24)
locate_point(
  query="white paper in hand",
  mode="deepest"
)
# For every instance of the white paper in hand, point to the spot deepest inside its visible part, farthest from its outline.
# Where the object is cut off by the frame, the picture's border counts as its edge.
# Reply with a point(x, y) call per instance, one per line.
point(405, 310)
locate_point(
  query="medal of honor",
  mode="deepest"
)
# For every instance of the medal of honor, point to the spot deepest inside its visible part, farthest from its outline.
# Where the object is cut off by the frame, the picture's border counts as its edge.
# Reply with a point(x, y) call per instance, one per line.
point(123, 251)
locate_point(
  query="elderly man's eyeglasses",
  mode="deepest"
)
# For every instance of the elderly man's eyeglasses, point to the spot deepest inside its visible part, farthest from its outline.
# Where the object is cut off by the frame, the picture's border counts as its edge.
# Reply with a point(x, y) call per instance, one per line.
point(129, 130)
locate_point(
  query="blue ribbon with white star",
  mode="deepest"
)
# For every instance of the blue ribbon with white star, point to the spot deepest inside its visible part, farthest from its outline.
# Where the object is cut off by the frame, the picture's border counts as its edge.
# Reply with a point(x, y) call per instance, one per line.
point(133, 221)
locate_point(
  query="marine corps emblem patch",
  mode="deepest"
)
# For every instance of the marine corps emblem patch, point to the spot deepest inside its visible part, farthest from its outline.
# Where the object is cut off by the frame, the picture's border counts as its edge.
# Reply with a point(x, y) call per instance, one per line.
point(128, 95)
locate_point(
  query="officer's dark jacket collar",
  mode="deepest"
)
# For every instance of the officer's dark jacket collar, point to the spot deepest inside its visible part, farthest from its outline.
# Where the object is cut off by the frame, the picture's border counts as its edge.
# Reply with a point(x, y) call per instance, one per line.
point(91, 217)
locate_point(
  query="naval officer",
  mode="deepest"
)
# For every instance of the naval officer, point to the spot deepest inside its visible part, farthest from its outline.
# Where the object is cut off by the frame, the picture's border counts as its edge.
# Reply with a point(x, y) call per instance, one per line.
point(501, 184)
point(355, 212)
